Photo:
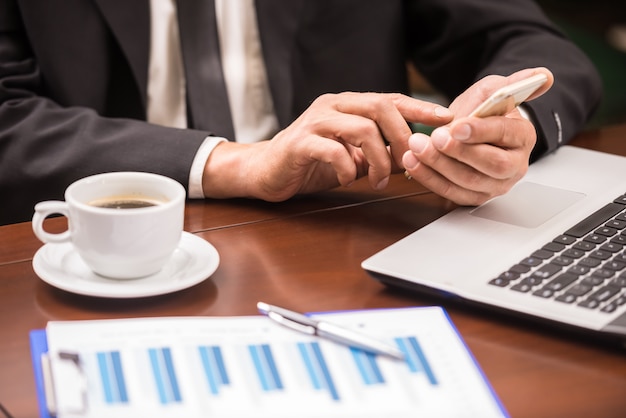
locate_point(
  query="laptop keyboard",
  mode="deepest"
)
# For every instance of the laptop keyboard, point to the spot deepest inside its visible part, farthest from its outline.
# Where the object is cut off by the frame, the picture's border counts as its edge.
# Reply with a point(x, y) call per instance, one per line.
point(584, 266)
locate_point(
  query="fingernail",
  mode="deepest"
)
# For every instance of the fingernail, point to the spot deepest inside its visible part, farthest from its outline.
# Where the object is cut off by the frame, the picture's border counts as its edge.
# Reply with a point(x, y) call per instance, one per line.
point(440, 137)
point(409, 160)
point(418, 142)
point(462, 132)
point(442, 112)
point(382, 184)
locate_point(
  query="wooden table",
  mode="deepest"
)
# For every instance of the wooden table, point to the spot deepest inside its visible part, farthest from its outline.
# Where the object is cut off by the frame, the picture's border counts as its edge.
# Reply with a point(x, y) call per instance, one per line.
point(305, 254)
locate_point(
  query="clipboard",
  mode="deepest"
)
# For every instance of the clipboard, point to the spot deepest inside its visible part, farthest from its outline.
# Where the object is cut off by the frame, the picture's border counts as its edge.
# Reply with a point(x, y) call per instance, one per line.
point(469, 385)
point(39, 350)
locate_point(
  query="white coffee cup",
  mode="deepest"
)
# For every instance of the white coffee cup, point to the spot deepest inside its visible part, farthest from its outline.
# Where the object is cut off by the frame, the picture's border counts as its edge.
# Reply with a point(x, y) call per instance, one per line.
point(119, 243)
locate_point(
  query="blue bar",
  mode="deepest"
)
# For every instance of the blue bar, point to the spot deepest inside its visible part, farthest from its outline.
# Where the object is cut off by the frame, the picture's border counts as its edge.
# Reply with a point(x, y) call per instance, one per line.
point(415, 357)
point(309, 365)
point(411, 357)
point(164, 375)
point(422, 357)
point(366, 363)
point(119, 375)
point(265, 367)
point(106, 380)
point(208, 370)
point(330, 384)
point(272, 365)
point(169, 366)
point(112, 376)
point(221, 367)
point(260, 370)
point(371, 359)
point(158, 378)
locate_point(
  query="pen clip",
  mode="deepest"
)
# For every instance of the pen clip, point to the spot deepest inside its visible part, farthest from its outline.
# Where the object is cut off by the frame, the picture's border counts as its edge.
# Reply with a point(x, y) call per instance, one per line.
point(293, 324)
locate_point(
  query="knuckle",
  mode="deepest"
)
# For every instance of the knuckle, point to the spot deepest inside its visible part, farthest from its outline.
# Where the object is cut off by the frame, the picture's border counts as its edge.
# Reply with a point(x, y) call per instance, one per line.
point(474, 180)
point(501, 165)
point(325, 99)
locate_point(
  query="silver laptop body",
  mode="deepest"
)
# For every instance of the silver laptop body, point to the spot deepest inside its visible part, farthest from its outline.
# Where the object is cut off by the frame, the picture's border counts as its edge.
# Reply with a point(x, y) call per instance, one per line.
point(460, 253)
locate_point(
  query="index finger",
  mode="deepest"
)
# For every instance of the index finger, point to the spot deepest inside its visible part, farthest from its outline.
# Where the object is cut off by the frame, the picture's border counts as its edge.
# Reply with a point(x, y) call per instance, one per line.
point(391, 112)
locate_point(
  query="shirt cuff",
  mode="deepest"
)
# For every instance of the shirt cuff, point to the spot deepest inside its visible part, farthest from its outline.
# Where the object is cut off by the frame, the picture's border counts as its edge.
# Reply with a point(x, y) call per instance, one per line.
point(197, 167)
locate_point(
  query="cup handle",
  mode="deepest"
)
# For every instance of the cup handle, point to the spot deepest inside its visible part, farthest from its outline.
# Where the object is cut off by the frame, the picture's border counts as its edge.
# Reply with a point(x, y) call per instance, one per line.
point(42, 211)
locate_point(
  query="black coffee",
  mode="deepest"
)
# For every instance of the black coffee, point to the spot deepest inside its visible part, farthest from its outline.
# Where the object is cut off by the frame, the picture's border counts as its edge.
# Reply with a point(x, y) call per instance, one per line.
point(120, 202)
point(125, 204)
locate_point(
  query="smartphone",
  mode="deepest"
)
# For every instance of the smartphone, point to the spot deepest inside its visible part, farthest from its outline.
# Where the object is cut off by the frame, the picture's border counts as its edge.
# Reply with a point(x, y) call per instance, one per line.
point(507, 98)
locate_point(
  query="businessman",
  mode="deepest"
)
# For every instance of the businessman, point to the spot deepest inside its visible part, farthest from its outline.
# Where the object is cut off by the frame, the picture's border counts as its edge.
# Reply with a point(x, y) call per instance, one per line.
point(268, 99)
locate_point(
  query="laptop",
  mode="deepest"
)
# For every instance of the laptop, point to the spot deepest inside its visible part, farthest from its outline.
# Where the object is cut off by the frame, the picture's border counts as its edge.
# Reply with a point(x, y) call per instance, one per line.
point(552, 248)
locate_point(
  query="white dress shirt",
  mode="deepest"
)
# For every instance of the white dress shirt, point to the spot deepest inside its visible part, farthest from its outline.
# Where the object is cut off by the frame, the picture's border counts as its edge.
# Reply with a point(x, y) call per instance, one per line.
point(249, 97)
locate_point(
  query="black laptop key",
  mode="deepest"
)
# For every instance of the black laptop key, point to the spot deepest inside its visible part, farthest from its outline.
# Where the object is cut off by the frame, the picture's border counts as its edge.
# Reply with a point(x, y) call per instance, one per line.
point(573, 253)
point(589, 303)
point(578, 270)
point(500, 282)
point(544, 293)
point(621, 200)
point(579, 289)
point(595, 238)
point(606, 231)
point(592, 221)
point(520, 268)
point(620, 281)
point(531, 261)
point(603, 273)
point(561, 281)
point(605, 293)
point(609, 307)
point(565, 239)
point(523, 287)
point(612, 247)
point(590, 262)
point(543, 254)
point(617, 224)
point(584, 245)
point(566, 298)
point(555, 247)
point(601, 255)
point(620, 257)
point(547, 271)
point(592, 281)
point(562, 261)
point(614, 265)
point(619, 239)
point(620, 300)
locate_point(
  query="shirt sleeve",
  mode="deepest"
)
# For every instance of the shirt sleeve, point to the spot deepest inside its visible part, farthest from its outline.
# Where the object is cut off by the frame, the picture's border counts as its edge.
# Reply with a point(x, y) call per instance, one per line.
point(197, 167)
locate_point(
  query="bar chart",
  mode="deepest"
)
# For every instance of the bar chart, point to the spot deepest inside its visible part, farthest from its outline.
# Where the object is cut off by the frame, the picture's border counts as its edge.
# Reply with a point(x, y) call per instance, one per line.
point(248, 366)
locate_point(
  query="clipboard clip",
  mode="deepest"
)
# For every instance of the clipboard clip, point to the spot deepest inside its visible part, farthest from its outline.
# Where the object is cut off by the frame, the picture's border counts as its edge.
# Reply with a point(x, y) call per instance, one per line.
point(65, 384)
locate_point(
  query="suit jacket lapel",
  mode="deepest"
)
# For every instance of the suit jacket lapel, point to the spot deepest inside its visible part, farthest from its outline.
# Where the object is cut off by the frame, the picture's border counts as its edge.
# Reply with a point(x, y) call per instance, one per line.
point(130, 24)
point(278, 21)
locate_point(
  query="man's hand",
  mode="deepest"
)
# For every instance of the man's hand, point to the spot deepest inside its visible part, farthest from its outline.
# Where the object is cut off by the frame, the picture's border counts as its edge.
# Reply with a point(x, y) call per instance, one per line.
point(339, 138)
point(474, 159)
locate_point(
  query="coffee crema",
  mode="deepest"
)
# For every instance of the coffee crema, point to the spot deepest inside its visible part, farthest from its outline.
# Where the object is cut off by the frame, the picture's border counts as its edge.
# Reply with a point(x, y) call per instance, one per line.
point(125, 202)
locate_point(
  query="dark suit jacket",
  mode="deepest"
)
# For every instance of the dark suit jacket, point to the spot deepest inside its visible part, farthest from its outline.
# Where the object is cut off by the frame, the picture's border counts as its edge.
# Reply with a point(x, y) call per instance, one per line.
point(73, 76)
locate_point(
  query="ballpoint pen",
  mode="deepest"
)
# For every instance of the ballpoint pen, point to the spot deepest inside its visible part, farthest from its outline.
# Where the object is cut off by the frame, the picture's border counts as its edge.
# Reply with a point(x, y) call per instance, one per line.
point(323, 329)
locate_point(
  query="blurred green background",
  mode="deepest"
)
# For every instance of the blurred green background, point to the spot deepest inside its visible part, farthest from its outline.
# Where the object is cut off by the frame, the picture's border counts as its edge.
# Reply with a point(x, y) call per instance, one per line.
point(599, 29)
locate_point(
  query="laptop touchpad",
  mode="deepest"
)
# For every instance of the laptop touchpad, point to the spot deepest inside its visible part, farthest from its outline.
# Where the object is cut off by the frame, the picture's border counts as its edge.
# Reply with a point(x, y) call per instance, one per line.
point(527, 205)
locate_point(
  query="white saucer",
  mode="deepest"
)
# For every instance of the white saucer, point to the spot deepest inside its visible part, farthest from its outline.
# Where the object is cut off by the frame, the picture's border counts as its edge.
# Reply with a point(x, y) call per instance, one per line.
point(192, 262)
